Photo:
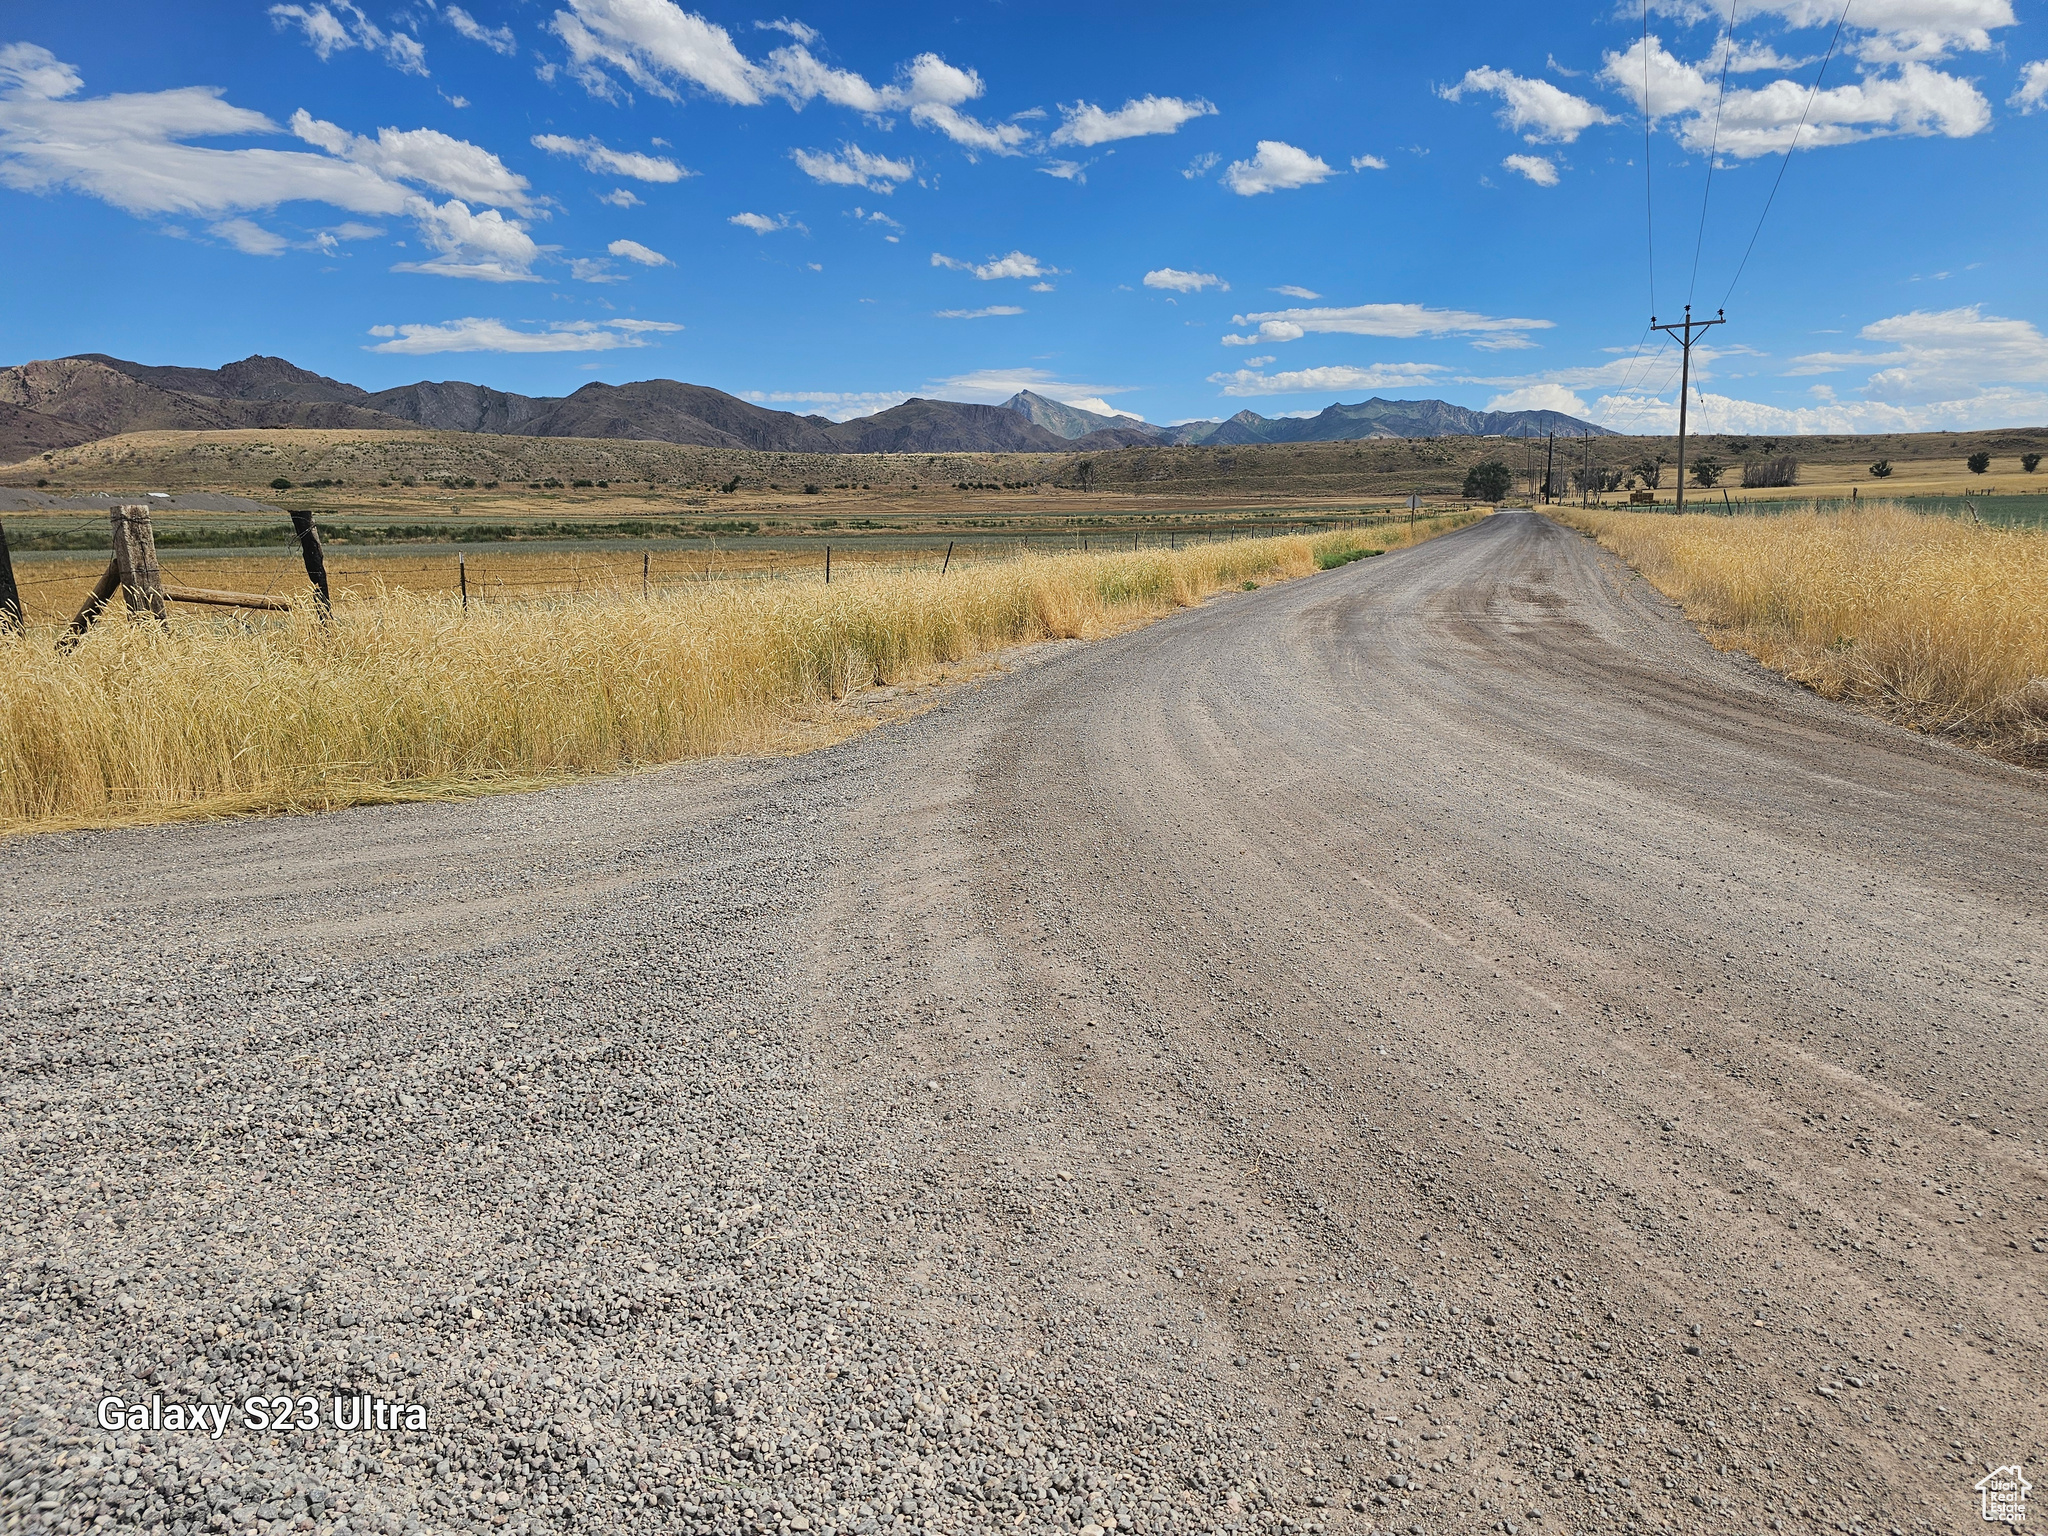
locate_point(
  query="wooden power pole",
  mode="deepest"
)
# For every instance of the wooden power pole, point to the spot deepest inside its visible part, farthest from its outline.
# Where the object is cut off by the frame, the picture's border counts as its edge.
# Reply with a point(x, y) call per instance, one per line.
point(1683, 335)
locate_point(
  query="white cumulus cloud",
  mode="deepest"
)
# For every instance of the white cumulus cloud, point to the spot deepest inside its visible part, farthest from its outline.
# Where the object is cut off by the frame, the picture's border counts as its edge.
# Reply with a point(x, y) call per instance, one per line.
point(595, 155)
point(760, 223)
point(633, 250)
point(1539, 397)
point(1367, 163)
point(1913, 99)
point(135, 151)
point(454, 166)
point(1275, 167)
point(1536, 109)
point(1088, 125)
point(1177, 281)
point(486, 246)
point(1538, 169)
point(663, 49)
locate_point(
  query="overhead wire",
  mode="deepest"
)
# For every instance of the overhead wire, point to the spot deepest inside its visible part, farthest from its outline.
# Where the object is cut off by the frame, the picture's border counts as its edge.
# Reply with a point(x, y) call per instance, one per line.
point(1811, 96)
point(1713, 151)
point(1649, 201)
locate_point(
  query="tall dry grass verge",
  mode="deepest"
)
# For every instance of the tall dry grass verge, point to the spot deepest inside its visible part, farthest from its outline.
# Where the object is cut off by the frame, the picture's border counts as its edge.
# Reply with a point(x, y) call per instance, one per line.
point(1940, 624)
point(407, 696)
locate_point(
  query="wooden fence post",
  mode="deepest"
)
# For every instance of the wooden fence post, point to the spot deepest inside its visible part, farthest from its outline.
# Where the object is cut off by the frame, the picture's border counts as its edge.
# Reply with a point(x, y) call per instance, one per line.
point(94, 605)
point(10, 594)
point(949, 558)
point(316, 561)
point(142, 584)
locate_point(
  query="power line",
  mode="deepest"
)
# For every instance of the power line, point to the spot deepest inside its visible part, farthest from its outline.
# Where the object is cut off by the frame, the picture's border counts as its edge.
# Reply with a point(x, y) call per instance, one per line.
point(1720, 99)
point(1649, 203)
point(1821, 74)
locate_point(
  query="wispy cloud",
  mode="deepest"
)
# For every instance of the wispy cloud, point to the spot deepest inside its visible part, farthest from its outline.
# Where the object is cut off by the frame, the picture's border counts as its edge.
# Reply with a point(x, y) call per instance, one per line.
point(1246, 382)
point(1177, 281)
point(852, 166)
point(597, 156)
point(977, 314)
point(475, 334)
point(1016, 264)
point(338, 26)
point(497, 39)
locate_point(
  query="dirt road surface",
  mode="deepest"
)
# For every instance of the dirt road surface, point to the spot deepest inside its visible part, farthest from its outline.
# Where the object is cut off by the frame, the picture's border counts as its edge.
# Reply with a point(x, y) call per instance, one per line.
point(1429, 1047)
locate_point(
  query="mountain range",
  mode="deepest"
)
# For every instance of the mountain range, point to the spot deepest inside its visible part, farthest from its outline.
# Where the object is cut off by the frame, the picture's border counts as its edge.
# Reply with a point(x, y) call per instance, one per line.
point(61, 402)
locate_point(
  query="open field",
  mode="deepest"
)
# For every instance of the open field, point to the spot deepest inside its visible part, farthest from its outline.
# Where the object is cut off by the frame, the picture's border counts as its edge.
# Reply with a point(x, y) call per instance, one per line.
point(1937, 623)
point(1434, 1045)
point(413, 694)
point(523, 568)
point(361, 476)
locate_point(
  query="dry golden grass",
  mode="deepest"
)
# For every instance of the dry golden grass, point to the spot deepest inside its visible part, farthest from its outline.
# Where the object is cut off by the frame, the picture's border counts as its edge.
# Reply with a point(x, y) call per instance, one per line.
point(409, 697)
point(1938, 623)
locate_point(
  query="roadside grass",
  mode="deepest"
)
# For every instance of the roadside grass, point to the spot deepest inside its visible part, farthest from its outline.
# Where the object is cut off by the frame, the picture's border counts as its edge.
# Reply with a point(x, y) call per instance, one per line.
point(407, 696)
point(1937, 623)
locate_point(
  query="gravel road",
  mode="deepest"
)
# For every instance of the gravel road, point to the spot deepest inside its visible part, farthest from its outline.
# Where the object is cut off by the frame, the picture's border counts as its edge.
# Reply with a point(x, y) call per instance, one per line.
point(1429, 1047)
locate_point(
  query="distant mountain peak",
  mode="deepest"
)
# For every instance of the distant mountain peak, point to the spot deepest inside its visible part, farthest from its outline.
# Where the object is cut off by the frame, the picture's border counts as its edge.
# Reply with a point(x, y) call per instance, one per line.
point(1070, 421)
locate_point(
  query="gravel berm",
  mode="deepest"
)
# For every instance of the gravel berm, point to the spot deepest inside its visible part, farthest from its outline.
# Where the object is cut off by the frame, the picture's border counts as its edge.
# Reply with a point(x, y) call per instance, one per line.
point(1429, 1047)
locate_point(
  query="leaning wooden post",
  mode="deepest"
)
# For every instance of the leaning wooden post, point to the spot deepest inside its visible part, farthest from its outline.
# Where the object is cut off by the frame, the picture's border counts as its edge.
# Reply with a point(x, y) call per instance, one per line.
point(316, 561)
point(94, 605)
point(10, 595)
point(142, 584)
point(949, 558)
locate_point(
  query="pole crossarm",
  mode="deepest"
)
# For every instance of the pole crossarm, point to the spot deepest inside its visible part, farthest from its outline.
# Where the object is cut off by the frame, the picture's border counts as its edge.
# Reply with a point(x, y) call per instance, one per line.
point(1683, 333)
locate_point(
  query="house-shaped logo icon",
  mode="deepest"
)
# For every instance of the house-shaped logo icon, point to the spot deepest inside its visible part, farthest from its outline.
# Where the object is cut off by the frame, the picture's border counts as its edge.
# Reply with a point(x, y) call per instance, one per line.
point(2004, 1491)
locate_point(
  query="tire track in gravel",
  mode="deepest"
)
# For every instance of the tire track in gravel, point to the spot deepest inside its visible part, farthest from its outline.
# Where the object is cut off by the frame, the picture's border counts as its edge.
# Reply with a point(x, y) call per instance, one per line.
point(1430, 1046)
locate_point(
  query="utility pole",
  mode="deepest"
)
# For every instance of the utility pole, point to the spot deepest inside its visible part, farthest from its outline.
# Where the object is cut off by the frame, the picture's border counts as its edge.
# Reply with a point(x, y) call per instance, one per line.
point(1549, 465)
point(1683, 335)
point(1586, 472)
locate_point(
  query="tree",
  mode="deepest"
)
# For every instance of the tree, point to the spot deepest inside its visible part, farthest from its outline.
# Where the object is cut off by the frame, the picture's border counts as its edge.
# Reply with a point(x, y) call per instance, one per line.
point(1707, 471)
point(280, 484)
point(1882, 469)
point(1651, 469)
point(1980, 463)
point(2030, 462)
point(1488, 480)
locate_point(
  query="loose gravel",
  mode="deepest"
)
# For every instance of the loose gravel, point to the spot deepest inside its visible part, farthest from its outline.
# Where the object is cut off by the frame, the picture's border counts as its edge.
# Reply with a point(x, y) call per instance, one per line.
point(1251, 1075)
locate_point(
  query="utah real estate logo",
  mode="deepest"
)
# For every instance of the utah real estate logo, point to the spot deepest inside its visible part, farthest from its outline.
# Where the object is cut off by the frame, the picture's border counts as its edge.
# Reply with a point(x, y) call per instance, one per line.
point(2004, 1493)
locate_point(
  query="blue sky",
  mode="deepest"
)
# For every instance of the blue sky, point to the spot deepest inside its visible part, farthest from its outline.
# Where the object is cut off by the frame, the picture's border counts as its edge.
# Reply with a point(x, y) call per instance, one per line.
point(1176, 212)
